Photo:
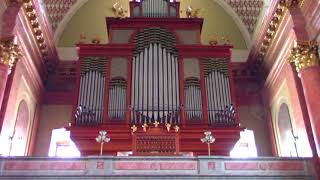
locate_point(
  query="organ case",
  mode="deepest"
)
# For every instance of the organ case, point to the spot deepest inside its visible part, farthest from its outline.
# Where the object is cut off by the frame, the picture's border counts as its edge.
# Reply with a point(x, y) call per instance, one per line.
point(157, 75)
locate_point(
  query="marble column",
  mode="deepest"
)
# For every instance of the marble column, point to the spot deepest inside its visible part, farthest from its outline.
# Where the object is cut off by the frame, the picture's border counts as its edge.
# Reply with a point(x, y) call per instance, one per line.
point(4, 69)
point(9, 54)
point(305, 59)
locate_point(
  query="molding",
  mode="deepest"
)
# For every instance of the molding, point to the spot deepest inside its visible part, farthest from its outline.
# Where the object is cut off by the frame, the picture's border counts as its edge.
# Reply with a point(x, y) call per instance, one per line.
point(65, 21)
point(243, 29)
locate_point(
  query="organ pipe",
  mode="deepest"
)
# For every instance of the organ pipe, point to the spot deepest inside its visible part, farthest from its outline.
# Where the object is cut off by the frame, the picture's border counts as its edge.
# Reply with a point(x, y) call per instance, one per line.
point(155, 93)
point(117, 99)
point(193, 104)
point(219, 101)
point(91, 92)
point(155, 8)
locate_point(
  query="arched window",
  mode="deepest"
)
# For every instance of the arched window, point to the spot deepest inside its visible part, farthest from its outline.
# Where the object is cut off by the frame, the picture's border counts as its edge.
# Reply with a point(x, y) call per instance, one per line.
point(19, 136)
point(287, 138)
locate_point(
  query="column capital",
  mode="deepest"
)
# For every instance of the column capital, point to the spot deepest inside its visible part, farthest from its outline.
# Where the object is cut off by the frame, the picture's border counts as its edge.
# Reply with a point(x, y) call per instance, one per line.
point(291, 3)
point(10, 52)
point(304, 55)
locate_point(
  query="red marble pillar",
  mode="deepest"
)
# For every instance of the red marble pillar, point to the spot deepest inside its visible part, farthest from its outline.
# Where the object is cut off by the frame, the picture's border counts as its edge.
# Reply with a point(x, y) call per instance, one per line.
point(310, 78)
point(4, 71)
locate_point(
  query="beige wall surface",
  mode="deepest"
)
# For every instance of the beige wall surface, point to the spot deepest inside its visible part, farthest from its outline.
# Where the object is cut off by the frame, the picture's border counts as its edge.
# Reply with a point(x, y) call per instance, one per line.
point(51, 117)
point(254, 118)
point(90, 21)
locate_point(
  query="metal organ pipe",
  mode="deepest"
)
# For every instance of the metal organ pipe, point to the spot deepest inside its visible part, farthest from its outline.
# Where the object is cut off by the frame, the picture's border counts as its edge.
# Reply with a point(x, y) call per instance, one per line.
point(218, 97)
point(117, 99)
point(155, 8)
point(91, 91)
point(193, 99)
point(155, 93)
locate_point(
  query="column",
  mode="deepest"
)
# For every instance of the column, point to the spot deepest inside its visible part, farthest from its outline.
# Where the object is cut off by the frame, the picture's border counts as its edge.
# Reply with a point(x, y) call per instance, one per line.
point(306, 62)
point(9, 54)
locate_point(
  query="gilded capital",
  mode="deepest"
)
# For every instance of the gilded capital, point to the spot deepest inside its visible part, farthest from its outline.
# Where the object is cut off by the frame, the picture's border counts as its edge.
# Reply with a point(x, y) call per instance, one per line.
point(304, 55)
point(291, 3)
point(10, 53)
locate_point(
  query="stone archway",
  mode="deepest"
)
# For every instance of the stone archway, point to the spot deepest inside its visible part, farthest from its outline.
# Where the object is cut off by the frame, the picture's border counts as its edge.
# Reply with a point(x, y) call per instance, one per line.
point(286, 136)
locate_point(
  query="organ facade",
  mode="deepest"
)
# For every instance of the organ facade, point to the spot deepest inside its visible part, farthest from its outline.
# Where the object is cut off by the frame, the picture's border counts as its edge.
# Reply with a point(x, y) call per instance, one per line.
point(154, 81)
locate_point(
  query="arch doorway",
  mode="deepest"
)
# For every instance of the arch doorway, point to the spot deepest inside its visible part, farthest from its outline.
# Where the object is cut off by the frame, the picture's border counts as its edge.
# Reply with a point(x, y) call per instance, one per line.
point(287, 139)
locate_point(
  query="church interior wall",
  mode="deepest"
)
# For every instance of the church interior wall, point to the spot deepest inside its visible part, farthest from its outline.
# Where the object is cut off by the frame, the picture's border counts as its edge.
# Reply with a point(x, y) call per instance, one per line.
point(22, 90)
point(280, 86)
point(252, 113)
point(51, 117)
point(81, 23)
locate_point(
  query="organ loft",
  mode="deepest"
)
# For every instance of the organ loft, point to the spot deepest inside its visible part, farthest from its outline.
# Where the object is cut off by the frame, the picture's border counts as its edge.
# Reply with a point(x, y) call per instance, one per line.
point(154, 87)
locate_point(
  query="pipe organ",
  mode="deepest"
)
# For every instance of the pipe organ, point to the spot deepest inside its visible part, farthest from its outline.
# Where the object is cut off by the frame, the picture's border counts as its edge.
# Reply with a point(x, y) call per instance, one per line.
point(92, 90)
point(154, 8)
point(158, 76)
point(117, 99)
point(155, 93)
point(219, 100)
point(193, 105)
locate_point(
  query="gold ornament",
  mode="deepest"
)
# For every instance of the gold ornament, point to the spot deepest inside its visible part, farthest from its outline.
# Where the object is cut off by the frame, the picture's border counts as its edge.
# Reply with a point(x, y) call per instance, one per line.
point(145, 126)
point(156, 124)
point(118, 10)
point(134, 128)
point(213, 40)
point(168, 126)
point(304, 55)
point(176, 128)
point(10, 53)
point(191, 12)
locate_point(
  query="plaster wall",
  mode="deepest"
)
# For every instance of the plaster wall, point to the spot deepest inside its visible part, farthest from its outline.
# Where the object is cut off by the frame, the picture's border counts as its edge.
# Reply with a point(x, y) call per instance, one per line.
point(252, 114)
point(51, 117)
point(283, 90)
point(22, 90)
point(90, 21)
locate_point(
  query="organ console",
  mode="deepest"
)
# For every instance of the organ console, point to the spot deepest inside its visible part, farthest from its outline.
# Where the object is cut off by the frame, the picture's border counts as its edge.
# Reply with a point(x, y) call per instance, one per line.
point(154, 71)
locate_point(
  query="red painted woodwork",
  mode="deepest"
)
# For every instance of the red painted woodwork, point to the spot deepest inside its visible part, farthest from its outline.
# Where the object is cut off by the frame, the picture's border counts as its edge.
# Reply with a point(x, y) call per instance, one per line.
point(181, 92)
point(6, 93)
point(203, 94)
point(120, 133)
point(154, 142)
point(310, 78)
point(129, 86)
point(106, 96)
point(4, 70)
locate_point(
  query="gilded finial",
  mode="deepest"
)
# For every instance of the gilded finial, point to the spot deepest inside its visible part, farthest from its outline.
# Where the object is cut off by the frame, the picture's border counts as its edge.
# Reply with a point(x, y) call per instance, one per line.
point(168, 126)
point(176, 128)
point(225, 39)
point(145, 126)
point(134, 128)
point(82, 38)
point(156, 123)
point(96, 39)
point(118, 11)
point(213, 40)
point(191, 12)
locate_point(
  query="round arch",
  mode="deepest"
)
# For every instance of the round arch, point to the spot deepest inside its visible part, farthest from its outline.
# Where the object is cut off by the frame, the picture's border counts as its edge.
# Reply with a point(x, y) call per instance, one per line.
point(287, 138)
point(227, 8)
